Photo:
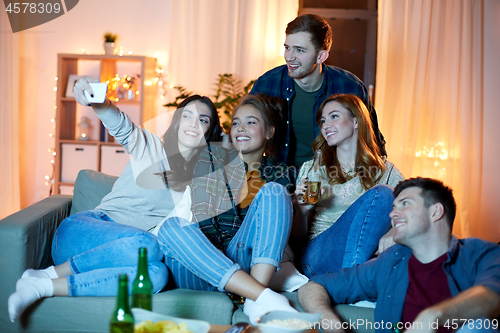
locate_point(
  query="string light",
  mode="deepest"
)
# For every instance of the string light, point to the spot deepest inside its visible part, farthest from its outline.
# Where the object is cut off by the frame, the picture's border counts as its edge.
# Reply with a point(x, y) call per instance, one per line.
point(49, 179)
point(436, 153)
point(159, 79)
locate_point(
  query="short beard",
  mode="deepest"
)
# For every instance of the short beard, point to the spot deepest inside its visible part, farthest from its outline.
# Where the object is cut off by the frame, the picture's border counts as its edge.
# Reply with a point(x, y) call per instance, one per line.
point(309, 69)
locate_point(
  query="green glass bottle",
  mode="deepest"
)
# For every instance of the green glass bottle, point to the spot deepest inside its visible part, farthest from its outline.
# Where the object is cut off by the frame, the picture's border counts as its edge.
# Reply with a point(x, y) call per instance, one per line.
point(142, 288)
point(395, 328)
point(122, 319)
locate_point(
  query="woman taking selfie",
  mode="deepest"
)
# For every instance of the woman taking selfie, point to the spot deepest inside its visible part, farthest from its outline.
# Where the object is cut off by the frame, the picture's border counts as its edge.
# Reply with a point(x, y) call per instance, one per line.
point(91, 249)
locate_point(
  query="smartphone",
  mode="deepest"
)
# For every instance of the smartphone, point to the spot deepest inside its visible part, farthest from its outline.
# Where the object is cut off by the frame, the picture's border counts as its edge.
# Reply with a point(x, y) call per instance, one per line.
point(100, 89)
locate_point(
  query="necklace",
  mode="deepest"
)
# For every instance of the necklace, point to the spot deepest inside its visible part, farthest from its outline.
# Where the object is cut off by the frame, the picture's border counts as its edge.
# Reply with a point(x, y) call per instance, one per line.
point(349, 172)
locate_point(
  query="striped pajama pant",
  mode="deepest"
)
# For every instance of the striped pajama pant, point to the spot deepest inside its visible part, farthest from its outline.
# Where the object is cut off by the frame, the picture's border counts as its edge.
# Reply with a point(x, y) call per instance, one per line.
point(195, 263)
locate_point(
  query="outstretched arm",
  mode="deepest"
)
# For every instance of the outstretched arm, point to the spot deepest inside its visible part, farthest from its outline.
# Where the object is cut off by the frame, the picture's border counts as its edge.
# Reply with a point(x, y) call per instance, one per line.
point(315, 299)
point(473, 303)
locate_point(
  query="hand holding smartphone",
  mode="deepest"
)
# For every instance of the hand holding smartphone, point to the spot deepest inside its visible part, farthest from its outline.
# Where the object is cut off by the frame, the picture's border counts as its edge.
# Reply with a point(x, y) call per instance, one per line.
point(99, 91)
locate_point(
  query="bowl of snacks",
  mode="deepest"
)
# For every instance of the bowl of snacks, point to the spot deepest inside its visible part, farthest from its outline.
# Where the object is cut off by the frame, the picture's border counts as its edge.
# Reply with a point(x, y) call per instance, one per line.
point(151, 322)
point(288, 322)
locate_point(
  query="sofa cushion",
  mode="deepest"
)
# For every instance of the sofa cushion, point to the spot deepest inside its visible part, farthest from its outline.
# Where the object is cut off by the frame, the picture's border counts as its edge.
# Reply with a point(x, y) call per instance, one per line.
point(90, 187)
point(91, 314)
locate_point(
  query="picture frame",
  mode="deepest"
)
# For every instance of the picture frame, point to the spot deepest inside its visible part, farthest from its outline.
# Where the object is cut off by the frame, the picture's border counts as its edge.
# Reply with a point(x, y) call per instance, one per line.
point(71, 83)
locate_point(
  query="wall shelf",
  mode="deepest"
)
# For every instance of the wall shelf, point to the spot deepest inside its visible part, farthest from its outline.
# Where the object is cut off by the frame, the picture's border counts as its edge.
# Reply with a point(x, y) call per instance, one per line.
point(67, 112)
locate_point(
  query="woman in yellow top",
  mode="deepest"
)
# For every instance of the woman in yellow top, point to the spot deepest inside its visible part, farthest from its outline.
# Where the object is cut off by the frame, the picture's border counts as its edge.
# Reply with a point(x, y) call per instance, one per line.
point(238, 240)
point(344, 228)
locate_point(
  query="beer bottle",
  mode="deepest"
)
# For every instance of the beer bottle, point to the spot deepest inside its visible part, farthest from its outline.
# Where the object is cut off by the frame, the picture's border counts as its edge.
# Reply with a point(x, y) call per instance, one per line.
point(122, 319)
point(142, 288)
point(395, 328)
point(312, 194)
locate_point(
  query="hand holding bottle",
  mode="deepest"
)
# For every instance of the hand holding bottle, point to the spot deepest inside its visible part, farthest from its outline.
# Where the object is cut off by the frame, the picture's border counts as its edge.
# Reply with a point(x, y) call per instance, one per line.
point(312, 194)
point(309, 190)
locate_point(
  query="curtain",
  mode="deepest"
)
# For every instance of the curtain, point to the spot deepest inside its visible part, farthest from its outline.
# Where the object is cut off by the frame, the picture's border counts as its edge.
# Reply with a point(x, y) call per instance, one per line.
point(9, 119)
point(211, 37)
point(208, 37)
point(429, 95)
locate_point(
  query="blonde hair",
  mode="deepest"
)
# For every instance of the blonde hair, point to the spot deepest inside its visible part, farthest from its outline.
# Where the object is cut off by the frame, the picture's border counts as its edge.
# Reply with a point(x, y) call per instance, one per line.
point(369, 166)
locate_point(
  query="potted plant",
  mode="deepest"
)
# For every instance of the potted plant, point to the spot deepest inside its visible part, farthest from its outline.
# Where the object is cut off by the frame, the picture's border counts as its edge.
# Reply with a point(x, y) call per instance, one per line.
point(228, 92)
point(109, 43)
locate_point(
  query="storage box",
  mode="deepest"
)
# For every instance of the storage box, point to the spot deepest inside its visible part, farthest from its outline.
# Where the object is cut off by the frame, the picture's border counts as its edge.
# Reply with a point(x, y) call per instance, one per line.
point(76, 157)
point(66, 189)
point(113, 160)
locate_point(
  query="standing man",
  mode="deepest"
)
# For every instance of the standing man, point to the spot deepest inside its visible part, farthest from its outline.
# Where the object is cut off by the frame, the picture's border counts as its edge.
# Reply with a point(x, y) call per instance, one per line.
point(429, 281)
point(305, 81)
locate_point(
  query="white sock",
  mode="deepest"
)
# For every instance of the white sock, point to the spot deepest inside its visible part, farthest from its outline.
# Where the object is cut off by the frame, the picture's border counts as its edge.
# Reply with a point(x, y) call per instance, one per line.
point(272, 301)
point(253, 311)
point(49, 272)
point(28, 291)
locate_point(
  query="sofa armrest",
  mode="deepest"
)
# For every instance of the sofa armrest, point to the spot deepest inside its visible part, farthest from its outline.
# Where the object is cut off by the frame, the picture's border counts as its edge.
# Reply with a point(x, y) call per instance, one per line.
point(26, 236)
point(26, 240)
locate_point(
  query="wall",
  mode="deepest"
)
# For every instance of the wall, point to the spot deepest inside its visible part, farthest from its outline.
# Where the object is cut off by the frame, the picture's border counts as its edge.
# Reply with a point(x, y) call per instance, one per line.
point(209, 37)
point(142, 28)
point(200, 40)
point(490, 196)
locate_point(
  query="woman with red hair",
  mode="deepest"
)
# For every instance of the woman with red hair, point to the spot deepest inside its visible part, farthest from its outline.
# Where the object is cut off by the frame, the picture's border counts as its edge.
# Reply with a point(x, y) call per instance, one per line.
point(344, 228)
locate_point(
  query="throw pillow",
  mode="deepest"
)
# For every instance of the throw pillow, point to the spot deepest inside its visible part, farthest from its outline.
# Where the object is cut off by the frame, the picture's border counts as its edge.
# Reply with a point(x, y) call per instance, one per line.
point(90, 187)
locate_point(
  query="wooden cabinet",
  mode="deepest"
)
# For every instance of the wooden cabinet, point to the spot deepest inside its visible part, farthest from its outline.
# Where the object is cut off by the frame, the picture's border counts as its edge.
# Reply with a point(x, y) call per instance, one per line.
point(141, 108)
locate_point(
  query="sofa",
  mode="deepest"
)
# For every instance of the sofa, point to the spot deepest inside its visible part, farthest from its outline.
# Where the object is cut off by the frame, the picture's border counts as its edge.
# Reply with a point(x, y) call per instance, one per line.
point(26, 238)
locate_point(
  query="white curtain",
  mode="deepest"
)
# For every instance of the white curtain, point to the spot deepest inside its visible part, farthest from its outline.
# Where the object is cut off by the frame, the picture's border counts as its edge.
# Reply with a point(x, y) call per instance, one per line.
point(211, 37)
point(9, 119)
point(429, 95)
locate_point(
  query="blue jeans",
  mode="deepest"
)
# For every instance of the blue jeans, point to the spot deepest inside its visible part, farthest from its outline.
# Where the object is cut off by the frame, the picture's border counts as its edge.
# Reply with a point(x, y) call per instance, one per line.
point(98, 250)
point(195, 263)
point(354, 237)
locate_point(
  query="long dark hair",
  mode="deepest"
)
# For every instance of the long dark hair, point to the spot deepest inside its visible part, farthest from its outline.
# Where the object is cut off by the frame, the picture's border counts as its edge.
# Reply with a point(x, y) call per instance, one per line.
point(368, 160)
point(271, 109)
point(181, 171)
